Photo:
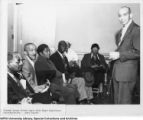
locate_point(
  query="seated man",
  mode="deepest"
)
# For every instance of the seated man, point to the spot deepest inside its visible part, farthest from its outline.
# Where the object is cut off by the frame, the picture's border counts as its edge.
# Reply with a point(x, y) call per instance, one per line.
point(45, 69)
point(19, 93)
point(60, 60)
point(28, 69)
point(95, 62)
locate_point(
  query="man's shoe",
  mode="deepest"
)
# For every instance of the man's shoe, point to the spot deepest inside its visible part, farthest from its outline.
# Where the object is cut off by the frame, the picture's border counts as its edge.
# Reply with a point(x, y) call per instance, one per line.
point(84, 101)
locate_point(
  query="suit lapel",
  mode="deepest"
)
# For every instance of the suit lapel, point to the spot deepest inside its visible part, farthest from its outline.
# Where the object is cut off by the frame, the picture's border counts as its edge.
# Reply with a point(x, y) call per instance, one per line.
point(128, 30)
point(17, 87)
point(30, 66)
point(32, 70)
point(126, 34)
point(60, 58)
point(118, 38)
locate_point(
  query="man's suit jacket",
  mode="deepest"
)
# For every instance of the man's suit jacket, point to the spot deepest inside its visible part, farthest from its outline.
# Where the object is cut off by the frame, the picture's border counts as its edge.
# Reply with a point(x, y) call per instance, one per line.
point(45, 69)
point(126, 67)
point(86, 62)
point(29, 73)
point(59, 63)
point(15, 92)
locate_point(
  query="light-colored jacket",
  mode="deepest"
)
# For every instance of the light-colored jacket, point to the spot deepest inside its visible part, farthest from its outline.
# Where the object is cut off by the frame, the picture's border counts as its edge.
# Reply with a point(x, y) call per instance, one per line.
point(29, 73)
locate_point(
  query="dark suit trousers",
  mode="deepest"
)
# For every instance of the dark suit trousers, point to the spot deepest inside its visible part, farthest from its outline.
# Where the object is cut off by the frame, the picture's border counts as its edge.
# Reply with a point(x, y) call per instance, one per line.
point(67, 92)
point(98, 78)
point(43, 98)
point(123, 91)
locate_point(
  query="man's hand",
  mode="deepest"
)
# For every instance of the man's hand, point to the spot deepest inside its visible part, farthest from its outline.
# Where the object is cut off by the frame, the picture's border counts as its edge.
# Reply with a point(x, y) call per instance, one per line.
point(44, 90)
point(48, 82)
point(94, 66)
point(41, 88)
point(64, 84)
point(114, 55)
point(26, 100)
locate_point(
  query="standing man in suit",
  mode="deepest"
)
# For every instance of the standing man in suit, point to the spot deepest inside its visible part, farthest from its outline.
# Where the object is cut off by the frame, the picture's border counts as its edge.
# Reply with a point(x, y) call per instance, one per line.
point(28, 69)
point(126, 57)
point(96, 63)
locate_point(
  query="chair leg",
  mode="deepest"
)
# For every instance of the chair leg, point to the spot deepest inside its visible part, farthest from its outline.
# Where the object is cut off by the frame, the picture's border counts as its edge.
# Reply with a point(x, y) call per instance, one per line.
point(101, 87)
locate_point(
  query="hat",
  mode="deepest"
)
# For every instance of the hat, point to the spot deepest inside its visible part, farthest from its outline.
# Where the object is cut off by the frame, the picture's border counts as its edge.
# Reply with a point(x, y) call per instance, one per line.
point(95, 45)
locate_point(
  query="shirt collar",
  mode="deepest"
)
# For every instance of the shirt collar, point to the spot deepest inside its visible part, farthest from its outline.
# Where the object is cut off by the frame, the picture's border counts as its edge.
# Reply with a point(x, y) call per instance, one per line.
point(12, 76)
point(93, 55)
point(128, 24)
point(60, 54)
point(31, 61)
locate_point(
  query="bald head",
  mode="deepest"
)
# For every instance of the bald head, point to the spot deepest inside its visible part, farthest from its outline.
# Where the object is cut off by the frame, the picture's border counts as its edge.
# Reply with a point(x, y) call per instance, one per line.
point(126, 9)
point(14, 61)
point(124, 15)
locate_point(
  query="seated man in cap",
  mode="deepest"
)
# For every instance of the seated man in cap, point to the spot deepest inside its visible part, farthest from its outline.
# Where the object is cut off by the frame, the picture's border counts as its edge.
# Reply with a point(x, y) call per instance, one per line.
point(95, 62)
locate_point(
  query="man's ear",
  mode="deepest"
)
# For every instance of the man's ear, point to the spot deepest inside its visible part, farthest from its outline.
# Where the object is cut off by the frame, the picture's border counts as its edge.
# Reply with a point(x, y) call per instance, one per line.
point(10, 64)
point(41, 54)
point(131, 16)
point(25, 53)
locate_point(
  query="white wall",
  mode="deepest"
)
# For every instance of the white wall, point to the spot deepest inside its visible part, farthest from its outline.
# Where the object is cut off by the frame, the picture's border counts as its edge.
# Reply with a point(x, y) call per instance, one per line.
point(38, 23)
point(80, 23)
point(84, 24)
point(10, 26)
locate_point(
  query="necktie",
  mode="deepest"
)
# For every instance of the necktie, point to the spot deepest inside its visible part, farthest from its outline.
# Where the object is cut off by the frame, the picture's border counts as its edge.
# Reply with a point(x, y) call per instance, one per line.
point(95, 60)
point(35, 77)
point(64, 61)
point(122, 35)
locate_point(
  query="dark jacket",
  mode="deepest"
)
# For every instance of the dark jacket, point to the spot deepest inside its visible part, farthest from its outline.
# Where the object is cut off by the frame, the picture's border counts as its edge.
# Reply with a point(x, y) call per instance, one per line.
point(59, 62)
point(45, 69)
point(86, 62)
point(126, 67)
point(16, 93)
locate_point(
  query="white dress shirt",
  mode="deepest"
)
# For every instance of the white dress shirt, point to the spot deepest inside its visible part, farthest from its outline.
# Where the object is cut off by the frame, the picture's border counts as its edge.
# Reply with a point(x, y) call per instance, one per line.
point(95, 56)
point(60, 55)
point(71, 55)
point(124, 30)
